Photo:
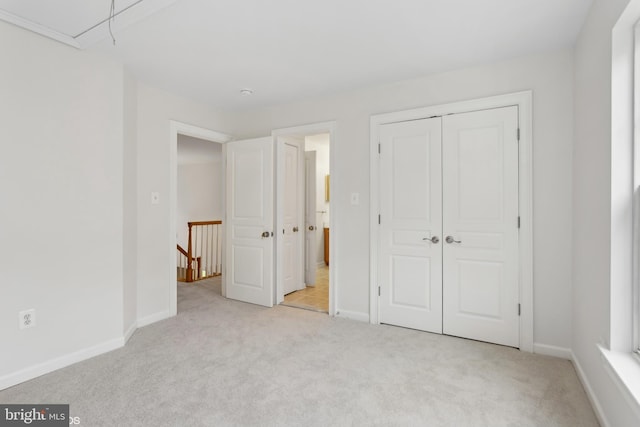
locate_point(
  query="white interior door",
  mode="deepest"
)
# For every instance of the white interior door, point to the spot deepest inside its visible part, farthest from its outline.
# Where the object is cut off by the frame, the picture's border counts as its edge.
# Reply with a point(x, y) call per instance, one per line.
point(480, 213)
point(310, 226)
point(410, 256)
point(291, 225)
point(249, 221)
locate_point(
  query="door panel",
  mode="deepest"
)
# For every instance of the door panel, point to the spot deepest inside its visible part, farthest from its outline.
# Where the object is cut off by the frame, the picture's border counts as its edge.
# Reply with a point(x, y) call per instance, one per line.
point(310, 226)
point(290, 262)
point(480, 213)
point(290, 215)
point(411, 214)
point(249, 255)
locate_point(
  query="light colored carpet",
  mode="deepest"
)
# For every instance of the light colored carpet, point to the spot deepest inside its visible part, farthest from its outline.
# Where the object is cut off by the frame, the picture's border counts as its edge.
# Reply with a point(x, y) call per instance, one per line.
point(225, 363)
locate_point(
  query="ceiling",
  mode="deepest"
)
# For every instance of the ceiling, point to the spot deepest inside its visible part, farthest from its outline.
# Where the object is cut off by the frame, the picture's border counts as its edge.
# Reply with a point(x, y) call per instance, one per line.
point(193, 151)
point(288, 50)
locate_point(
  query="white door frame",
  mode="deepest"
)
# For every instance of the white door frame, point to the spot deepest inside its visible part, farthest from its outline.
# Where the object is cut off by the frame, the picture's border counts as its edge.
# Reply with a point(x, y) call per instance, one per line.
point(525, 195)
point(311, 129)
point(176, 128)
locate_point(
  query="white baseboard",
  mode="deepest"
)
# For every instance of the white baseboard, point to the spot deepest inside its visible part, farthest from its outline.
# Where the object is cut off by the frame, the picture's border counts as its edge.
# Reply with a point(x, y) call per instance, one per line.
point(156, 317)
point(595, 403)
point(130, 331)
point(35, 371)
point(552, 350)
point(353, 315)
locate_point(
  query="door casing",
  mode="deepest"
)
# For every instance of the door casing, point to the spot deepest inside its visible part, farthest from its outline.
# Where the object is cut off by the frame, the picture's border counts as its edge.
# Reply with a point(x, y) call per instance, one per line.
point(176, 128)
point(525, 275)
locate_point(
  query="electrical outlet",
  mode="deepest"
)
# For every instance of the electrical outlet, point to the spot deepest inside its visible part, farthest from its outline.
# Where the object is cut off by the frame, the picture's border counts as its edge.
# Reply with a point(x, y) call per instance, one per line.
point(27, 318)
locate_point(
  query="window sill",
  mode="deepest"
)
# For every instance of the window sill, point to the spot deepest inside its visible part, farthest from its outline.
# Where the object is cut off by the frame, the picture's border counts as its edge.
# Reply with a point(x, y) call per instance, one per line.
point(624, 369)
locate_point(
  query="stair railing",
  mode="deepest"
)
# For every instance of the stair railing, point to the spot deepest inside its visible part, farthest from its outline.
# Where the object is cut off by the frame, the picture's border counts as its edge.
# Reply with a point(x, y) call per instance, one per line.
point(203, 257)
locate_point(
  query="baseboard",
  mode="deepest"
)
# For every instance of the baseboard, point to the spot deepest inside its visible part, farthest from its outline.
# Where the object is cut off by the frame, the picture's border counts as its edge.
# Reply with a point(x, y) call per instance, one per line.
point(595, 403)
point(59, 363)
point(130, 331)
point(156, 317)
point(353, 315)
point(552, 350)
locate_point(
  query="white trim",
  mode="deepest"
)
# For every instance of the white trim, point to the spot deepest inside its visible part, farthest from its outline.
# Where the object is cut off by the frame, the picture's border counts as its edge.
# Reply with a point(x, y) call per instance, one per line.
point(352, 315)
point(38, 29)
point(35, 371)
point(552, 350)
point(123, 20)
point(332, 129)
point(91, 36)
point(524, 102)
point(129, 332)
point(176, 128)
point(635, 200)
point(595, 403)
point(156, 317)
point(624, 370)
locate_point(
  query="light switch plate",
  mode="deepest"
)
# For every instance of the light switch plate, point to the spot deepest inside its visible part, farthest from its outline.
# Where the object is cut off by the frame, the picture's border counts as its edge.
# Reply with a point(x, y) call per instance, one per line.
point(155, 198)
point(355, 199)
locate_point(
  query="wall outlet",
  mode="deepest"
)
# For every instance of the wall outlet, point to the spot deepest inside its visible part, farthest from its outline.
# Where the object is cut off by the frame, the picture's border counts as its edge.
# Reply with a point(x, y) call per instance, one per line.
point(27, 318)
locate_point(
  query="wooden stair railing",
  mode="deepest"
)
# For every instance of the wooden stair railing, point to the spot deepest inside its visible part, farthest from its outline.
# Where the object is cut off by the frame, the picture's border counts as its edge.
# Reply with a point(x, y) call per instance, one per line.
point(186, 272)
point(203, 258)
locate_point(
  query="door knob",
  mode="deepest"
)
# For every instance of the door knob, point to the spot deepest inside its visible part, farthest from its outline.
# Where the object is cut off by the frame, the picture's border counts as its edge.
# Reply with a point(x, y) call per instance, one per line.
point(450, 239)
point(265, 234)
point(311, 228)
point(434, 239)
point(295, 229)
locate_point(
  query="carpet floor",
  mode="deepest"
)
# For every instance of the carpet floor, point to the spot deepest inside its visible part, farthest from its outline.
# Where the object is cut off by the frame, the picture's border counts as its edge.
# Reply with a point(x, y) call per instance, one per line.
point(226, 363)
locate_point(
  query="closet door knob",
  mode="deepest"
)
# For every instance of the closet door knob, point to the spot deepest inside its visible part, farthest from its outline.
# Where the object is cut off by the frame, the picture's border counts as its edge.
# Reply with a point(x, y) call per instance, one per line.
point(450, 239)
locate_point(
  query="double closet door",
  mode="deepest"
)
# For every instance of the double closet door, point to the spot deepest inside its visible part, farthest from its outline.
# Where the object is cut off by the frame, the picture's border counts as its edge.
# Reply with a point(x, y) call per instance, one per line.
point(448, 249)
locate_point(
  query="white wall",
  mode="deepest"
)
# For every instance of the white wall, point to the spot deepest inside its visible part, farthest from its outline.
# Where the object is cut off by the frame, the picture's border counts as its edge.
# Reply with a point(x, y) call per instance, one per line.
point(550, 76)
point(130, 213)
point(156, 245)
point(320, 144)
point(61, 186)
point(200, 196)
point(592, 215)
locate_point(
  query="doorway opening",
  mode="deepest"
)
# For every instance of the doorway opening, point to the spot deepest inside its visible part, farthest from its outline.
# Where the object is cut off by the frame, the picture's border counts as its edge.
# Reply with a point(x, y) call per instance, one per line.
point(313, 292)
point(182, 131)
point(199, 213)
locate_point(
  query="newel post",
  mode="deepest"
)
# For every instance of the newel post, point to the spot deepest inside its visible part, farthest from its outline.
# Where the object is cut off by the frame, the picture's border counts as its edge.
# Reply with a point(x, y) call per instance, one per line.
point(189, 259)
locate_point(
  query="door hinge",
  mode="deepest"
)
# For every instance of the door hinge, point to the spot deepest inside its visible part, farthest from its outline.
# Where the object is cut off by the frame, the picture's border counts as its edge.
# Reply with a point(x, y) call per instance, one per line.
point(379, 148)
point(519, 310)
point(378, 290)
point(518, 222)
point(518, 134)
point(378, 219)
